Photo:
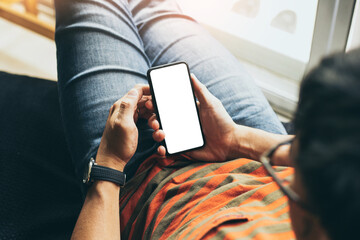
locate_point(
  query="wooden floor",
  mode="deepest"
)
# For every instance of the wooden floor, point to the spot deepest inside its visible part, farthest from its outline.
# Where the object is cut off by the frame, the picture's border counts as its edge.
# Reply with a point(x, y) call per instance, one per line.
point(25, 52)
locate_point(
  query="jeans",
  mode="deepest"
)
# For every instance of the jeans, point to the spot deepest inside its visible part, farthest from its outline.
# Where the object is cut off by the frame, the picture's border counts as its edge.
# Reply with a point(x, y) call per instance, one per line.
point(105, 47)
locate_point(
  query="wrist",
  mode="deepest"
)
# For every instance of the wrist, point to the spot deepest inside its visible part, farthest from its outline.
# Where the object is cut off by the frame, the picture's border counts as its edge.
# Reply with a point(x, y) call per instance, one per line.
point(241, 144)
point(252, 143)
point(110, 162)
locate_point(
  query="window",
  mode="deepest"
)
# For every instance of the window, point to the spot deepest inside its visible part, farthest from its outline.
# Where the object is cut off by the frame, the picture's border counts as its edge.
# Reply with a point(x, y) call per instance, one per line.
point(354, 35)
point(277, 40)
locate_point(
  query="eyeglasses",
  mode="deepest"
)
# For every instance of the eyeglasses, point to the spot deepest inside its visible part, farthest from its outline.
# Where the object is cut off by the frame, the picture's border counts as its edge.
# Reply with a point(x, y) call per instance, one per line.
point(282, 181)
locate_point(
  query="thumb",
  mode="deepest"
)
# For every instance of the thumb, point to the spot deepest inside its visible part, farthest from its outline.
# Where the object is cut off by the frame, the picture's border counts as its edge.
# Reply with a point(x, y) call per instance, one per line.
point(128, 104)
point(201, 92)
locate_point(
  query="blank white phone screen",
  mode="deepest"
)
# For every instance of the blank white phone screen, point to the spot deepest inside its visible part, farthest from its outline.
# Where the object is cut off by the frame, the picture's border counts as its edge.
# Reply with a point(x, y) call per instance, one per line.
point(176, 106)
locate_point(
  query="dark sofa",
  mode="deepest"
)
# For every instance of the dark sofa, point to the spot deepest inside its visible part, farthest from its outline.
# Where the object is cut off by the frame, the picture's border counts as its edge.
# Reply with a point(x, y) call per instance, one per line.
point(39, 197)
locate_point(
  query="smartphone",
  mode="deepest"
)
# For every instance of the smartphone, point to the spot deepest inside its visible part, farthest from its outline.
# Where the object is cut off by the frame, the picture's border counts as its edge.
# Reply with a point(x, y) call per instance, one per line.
point(175, 105)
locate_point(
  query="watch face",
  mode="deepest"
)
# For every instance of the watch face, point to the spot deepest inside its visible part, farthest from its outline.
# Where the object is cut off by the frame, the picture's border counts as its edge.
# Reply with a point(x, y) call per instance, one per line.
point(87, 171)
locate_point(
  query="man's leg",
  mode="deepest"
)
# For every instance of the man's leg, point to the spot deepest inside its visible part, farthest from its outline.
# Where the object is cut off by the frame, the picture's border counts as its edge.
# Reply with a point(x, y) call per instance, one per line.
point(169, 36)
point(100, 58)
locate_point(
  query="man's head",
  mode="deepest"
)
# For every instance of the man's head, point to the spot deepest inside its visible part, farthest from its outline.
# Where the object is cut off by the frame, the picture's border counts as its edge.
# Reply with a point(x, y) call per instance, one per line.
point(327, 150)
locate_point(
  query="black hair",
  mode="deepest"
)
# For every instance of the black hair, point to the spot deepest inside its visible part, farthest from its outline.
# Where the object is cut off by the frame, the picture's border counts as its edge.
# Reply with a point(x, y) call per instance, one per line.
point(327, 125)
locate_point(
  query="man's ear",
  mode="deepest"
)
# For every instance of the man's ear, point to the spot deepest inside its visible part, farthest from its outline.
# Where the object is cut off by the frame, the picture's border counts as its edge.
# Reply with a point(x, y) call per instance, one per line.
point(310, 227)
point(321, 232)
point(305, 224)
point(302, 223)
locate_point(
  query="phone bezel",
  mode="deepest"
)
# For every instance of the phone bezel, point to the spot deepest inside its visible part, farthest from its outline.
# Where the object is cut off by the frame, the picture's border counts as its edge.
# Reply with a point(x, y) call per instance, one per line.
point(157, 112)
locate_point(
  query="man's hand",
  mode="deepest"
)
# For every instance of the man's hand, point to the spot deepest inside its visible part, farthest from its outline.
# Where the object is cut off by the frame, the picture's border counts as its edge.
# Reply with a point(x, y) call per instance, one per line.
point(99, 217)
point(120, 137)
point(218, 127)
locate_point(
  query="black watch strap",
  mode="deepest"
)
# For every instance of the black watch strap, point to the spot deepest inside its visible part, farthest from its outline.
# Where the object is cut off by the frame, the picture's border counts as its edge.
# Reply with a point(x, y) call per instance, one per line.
point(107, 174)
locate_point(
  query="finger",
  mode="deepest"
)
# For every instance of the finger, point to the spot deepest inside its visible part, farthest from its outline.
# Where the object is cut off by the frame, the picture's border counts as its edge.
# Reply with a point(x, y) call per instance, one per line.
point(153, 122)
point(201, 92)
point(161, 151)
point(144, 89)
point(150, 105)
point(143, 101)
point(145, 113)
point(136, 115)
point(159, 135)
point(111, 111)
point(128, 103)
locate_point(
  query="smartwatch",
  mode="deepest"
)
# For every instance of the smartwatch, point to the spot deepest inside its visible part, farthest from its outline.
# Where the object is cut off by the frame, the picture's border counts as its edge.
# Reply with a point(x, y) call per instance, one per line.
point(94, 172)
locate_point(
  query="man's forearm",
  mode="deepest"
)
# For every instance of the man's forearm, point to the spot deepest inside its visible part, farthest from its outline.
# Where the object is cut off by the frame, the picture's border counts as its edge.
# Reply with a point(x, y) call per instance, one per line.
point(99, 217)
point(252, 143)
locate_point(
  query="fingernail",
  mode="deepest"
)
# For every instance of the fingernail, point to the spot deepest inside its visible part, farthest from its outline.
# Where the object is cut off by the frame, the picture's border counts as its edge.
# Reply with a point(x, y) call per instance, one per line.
point(133, 92)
